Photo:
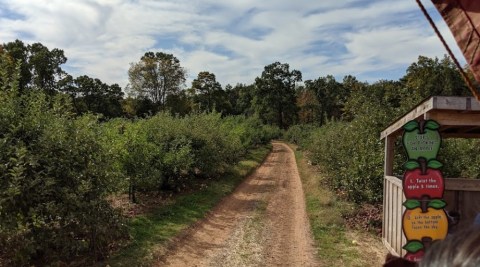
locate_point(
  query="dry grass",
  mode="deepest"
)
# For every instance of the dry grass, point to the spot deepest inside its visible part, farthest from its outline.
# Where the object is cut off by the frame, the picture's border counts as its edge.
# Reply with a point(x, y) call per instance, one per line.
point(337, 244)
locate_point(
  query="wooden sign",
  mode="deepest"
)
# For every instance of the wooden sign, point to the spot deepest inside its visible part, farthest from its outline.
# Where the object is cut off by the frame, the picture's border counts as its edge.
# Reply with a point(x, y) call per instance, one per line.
point(421, 139)
point(424, 219)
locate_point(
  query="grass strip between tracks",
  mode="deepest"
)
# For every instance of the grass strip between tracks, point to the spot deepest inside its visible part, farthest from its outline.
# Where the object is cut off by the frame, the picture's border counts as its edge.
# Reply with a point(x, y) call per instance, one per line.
point(151, 232)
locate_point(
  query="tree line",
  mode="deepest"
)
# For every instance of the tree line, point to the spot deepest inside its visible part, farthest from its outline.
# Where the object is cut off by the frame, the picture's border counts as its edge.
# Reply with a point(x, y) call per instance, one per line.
point(277, 96)
point(156, 84)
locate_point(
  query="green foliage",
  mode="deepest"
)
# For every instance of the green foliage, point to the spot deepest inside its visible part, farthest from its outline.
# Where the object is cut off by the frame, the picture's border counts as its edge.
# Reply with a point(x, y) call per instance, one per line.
point(274, 99)
point(57, 170)
point(240, 98)
point(460, 158)
point(54, 180)
point(431, 76)
point(165, 152)
point(330, 95)
point(208, 95)
point(156, 76)
point(39, 66)
point(350, 150)
point(351, 153)
point(299, 133)
point(92, 95)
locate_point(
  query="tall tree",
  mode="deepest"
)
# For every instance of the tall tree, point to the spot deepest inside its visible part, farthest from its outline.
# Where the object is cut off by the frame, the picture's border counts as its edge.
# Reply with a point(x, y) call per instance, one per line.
point(8, 71)
point(18, 52)
point(45, 66)
point(156, 76)
point(331, 96)
point(39, 66)
point(308, 106)
point(431, 76)
point(93, 95)
point(208, 94)
point(274, 95)
point(240, 98)
point(179, 104)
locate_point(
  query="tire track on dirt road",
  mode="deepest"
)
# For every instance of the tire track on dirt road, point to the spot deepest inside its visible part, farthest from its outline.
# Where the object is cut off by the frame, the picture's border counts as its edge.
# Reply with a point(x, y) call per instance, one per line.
point(262, 223)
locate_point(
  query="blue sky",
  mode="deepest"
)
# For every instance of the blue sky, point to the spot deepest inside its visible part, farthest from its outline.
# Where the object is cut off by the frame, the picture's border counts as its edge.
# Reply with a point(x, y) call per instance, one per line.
point(235, 39)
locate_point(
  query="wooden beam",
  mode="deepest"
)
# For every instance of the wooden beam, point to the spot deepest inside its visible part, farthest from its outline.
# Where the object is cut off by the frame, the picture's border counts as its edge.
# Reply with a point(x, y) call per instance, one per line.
point(459, 184)
point(447, 127)
point(461, 135)
point(468, 129)
point(452, 103)
point(455, 118)
point(455, 103)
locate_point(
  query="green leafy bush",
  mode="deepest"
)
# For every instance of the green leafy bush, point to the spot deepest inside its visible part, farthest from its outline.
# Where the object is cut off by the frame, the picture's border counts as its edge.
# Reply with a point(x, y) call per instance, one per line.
point(299, 133)
point(461, 158)
point(165, 152)
point(351, 152)
point(55, 176)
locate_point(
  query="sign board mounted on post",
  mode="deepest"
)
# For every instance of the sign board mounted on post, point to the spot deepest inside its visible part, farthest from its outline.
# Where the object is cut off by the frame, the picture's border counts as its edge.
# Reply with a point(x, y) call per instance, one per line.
point(424, 219)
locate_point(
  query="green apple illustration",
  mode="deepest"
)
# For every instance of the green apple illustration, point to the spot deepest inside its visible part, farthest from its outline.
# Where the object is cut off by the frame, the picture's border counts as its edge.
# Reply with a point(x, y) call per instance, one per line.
point(421, 139)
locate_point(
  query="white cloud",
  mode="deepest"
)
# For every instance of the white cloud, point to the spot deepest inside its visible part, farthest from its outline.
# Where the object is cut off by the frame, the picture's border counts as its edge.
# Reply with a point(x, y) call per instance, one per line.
point(233, 39)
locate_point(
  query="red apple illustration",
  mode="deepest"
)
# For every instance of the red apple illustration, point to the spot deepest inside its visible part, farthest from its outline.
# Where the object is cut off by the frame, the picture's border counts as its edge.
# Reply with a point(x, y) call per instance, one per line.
point(422, 179)
point(415, 257)
point(415, 250)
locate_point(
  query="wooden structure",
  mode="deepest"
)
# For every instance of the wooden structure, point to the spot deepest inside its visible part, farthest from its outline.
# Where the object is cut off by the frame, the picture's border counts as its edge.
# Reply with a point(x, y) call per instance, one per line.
point(459, 117)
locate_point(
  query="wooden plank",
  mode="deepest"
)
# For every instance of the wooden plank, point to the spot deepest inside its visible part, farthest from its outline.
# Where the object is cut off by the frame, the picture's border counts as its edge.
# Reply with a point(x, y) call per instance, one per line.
point(475, 104)
point(389, 155)
point(394, 180)
point(385, 184)
point(450, 102)
point(456, 103)
point(394, 218)
point(398, 217)
point(455, 118)
point(457, 184)
point(393, 214)
point(444, 128)
point(389, 212)
point(389, 248)
point(461, 135)
point(404, 238)
point(468, 129)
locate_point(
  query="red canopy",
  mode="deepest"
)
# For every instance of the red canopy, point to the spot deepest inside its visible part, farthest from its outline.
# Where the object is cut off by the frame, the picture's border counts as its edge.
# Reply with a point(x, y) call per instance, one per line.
point(463, 19)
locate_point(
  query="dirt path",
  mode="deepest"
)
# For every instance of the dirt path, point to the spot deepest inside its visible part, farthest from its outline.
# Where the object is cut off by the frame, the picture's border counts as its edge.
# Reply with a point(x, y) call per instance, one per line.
point(263, 223)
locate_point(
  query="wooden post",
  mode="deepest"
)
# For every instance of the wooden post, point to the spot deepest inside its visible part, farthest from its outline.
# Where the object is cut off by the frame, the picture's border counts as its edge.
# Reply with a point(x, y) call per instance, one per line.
point(389, 153)
point(388, 171)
